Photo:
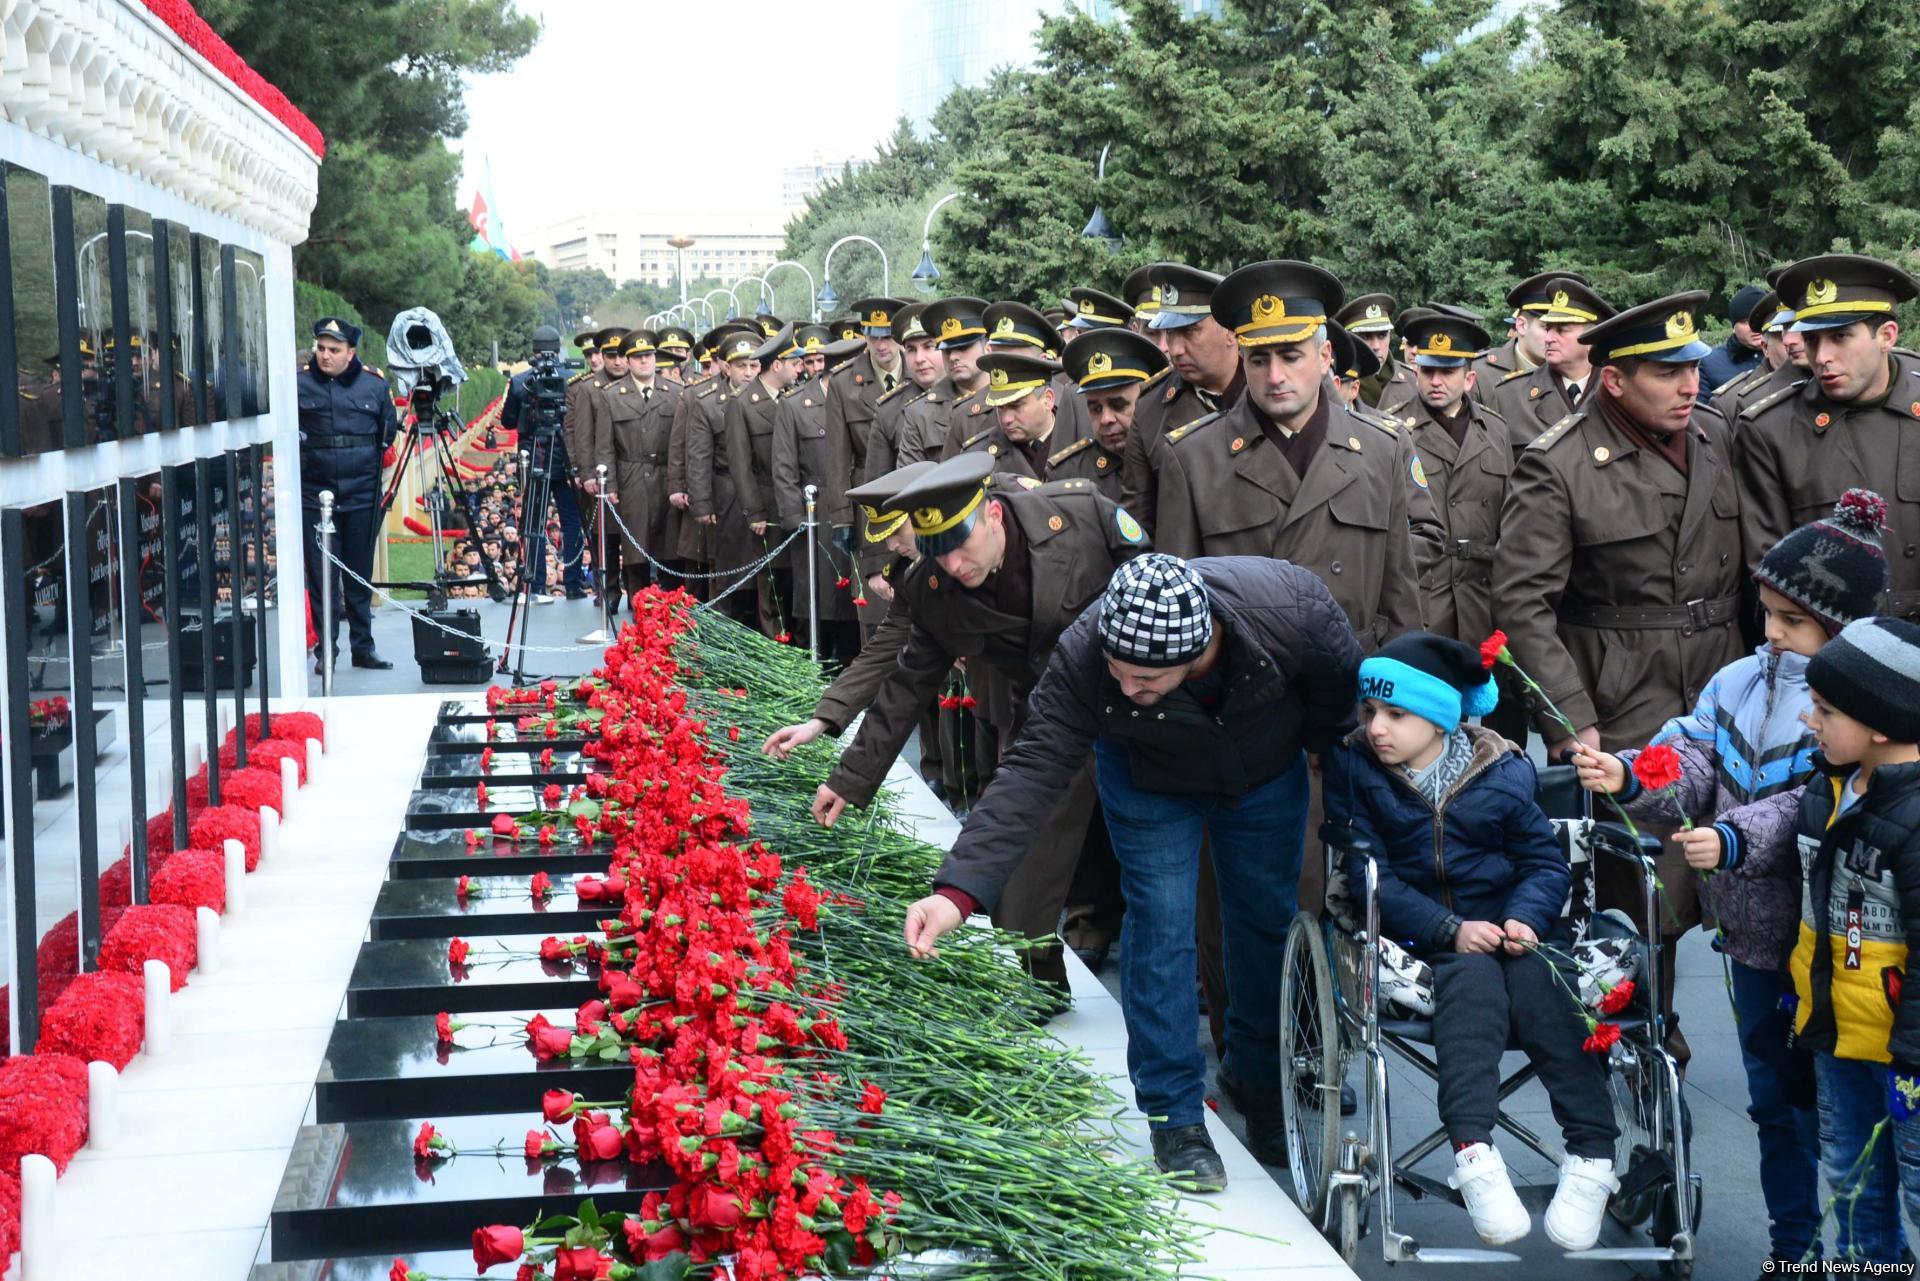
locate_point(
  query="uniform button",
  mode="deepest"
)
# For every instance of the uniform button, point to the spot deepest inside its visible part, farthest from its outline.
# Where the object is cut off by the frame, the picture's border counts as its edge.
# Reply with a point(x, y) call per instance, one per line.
point(1335, 567)
point(1160, 716)
point(1692, 694)
point(1136, 715)
point(1685, 568)
point(1723, 558)
point(1909, 551)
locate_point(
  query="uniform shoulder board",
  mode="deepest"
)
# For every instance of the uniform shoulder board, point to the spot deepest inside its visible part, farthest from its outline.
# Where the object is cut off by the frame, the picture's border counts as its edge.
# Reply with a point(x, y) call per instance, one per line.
point(1085, 442)
point(577, 377)
point(1374, 418)
point(705, 389)
point(977, 437)
point(1160, 376)
point(1732, 382)
point(1518, 373)
point(926, 395)
point(1179, 434)
point(1554, 434)
point(898, 387)
point(1768, 402)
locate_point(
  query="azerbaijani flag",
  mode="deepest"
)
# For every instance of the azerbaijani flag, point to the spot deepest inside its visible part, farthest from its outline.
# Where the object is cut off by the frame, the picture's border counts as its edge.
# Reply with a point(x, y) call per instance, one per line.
point(489, 233)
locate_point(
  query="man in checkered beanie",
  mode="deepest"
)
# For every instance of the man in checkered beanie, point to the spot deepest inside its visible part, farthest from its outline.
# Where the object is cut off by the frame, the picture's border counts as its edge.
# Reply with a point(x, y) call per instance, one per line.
point(1200, 687)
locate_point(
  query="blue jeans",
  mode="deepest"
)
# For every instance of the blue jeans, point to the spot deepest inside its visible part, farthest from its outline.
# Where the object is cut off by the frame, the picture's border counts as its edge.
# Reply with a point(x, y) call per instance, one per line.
point(572, 537)
point(1256, 842)
point(1867, 1192)
point(1780, 1103)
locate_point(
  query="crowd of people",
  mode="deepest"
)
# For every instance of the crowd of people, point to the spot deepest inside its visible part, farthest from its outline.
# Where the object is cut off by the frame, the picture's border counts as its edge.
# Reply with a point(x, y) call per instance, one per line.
point(1344, 500)
point(493, 540)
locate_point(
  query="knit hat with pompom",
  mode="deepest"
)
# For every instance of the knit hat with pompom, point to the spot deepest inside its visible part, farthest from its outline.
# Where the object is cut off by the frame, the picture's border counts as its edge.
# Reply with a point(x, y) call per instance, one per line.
point(1834, 567)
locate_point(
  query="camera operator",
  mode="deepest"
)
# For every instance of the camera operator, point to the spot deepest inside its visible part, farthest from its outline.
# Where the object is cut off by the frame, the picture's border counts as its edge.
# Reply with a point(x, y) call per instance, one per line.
point(518, 415)
point(346, 423)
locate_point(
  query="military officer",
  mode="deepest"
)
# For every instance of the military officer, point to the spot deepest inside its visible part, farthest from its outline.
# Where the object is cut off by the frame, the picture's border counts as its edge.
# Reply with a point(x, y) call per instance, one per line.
point(712, 484)
point(1003, 571)
point(346, 423)
point(853, 401)
point(959, 328)
point(749, 434)
point(808, 449)
point(690, 541)
point(1535, 400)
point(574, 424)
point(1522, 352)
point(1351, 362)
point(1108, 368)
point(1370, 319)
point(1024, 399)
point(1291, 474)
point(1853, 420)
point(812, 340)
point(1618, 573)
point(916, 425)
point(632, 429)
point(1203, 379)
point(1769, 321)
point(673, 347)
point(1091, 310)
point(1143, 295)
point(1018, 328)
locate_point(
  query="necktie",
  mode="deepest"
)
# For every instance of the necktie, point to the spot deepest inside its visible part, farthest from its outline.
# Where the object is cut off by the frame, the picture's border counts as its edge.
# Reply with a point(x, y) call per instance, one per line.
point(1573, 392)
point(887, 381)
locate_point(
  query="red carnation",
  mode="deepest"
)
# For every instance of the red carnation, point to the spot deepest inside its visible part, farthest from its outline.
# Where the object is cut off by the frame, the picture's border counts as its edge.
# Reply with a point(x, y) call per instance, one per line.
point(1657, 768)
point(540, 885)
point(733, 733)
point(457, 952)
point(872, 1098)
point(461, 888)
point(428, 1143)
point(497, 1244)
point(536, 1144)
point(1601, 1037)
point(550, 796)
point(784, 638)
point(842, 581)
point(1617, 997)
point(1491, 649)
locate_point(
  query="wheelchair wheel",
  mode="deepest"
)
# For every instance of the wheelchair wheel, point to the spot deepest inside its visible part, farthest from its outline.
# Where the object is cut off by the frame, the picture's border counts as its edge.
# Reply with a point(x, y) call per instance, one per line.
point(1635, 1097)
point(1309, 1066)
point(1347, 1222)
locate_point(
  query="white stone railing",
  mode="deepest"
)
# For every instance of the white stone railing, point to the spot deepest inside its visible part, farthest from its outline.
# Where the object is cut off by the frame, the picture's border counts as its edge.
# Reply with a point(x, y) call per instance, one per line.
point(107, 78)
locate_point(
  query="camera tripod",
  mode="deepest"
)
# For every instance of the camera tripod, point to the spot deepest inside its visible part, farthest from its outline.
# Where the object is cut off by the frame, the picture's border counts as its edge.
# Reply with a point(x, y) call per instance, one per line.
point(536, 495)
point(432, 436)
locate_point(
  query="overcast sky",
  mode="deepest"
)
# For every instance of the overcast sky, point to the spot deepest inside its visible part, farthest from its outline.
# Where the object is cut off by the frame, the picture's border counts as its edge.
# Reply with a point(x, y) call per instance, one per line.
point(830, 62)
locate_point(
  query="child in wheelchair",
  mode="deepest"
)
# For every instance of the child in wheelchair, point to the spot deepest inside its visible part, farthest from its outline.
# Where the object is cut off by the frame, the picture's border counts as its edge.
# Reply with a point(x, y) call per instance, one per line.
point(1470, 878)
point(1745, 754)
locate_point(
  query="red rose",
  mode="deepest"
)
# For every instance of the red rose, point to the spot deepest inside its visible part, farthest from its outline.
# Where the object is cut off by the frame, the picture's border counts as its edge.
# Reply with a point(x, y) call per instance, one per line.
point(399, 1271)
point(1491, 649)
point(602, 1143)
point(557, 1105)
point(552, 949)
point(549, 687)
point(457, 952)
point(583, 1263)
point(503, 825)
point(541, 885)
point(550, 796)
point(1617, 997)
point(497, 1244)
point(536, 1144)
point(1601, 1038)
point(548, 1041)
point(718, 1208)
point(1657, 768)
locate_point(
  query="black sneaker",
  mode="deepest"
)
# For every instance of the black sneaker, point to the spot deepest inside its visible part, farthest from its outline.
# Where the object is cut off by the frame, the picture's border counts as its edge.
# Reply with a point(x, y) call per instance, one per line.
point(1266, 1135)
point(1186, 1152)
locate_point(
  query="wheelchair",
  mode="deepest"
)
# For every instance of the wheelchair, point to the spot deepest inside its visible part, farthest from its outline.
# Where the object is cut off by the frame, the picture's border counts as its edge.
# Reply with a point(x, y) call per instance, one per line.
point(1333, 1011)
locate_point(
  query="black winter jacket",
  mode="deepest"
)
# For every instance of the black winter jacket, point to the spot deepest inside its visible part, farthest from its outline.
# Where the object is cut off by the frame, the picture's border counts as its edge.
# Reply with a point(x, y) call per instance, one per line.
point(1290, 664)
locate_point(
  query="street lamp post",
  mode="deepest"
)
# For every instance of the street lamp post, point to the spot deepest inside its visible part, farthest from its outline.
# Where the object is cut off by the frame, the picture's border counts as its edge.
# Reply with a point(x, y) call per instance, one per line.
point(766, 294)
point(765, 275)
point(926, 273)
point(681, 243)
point(728, 292)
point(829, 299)
point(1098, 228)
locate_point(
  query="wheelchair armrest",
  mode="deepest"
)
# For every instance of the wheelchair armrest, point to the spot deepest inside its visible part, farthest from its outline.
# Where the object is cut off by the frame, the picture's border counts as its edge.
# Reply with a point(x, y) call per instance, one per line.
point(1347, 840)
point(1614, 839)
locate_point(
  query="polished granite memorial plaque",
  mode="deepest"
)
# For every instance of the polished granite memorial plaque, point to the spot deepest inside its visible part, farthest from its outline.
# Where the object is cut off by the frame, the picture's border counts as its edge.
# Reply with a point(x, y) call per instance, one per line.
point(517, 767)
point(420, 909)
point(360, 1182)
point(444, 853)
point(395, 1067)
point(473, 737)
point(440, 807)
point(414, 976)
point(456, 1264)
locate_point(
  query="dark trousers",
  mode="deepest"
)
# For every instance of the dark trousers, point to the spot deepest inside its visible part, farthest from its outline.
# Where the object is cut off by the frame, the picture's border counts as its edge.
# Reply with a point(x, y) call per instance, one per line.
point(353, 534)
point(1476, 997)
point(1780, 1101)
point(572, 536)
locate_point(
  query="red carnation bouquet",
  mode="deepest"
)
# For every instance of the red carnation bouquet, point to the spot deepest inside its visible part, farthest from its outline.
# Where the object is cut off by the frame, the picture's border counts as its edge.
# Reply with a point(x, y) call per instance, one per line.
point(43, 1109)
point(153, 932)
point(212, 828)
point(192, 879)
point(100, 1016)
point(248, 788)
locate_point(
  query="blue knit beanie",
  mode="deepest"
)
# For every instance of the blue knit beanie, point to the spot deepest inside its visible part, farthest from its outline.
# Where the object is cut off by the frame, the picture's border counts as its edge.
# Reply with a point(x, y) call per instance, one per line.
point(1435, 677)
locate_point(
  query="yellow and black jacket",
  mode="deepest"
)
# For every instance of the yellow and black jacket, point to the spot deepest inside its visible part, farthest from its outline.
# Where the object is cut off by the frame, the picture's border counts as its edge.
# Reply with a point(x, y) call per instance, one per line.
point(1859, 913)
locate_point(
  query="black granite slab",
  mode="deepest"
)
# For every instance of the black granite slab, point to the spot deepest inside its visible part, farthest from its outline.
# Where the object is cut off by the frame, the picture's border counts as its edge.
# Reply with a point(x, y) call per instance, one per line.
point(473, 737)
point(420, 909)
point(444, 853)
point(395, 1067)
point(360, 1182)
point(507, 769)
point(430, 809)
point(413, 976)
point(368, 1267)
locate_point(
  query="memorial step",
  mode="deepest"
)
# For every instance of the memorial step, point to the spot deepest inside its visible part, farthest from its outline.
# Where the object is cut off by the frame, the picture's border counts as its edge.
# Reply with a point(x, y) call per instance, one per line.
point(444, 853)
point(422, 909)
point(472, 737)
point(414, 976)
point(516, 768)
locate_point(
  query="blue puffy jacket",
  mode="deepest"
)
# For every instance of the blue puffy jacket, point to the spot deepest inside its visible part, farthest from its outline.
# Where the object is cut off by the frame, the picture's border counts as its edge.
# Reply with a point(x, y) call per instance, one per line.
point(1487, 854)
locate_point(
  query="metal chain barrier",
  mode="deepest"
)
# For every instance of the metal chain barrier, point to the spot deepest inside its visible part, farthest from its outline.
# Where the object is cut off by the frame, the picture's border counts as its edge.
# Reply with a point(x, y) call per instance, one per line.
point(747, 573)
point(421, 617)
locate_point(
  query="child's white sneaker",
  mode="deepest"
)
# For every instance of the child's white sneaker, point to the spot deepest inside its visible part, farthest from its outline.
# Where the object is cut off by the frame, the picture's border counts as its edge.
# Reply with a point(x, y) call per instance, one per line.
point(1573, 1217)
point(1480, 1176)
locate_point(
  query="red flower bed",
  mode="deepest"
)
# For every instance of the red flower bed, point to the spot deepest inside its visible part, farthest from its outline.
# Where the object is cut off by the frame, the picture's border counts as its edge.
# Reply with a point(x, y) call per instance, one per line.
point(100, 1016)
point(156, 932)
point(160, 831)
point(212, 828)
point(43, 1109)
point(192, 878)
point(9, 1213)
point(203, 40)
point(290, 727)
point(265, 754)
point(248, 788)
point(116, 883)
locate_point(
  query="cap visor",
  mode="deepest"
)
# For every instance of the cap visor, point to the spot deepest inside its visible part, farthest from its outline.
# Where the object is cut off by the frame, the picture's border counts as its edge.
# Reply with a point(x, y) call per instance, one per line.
point(1693, 351)
point(1164, 319)
point(1008, 397)
point(947, 539)
point(1836, 320)
point(1439, 362)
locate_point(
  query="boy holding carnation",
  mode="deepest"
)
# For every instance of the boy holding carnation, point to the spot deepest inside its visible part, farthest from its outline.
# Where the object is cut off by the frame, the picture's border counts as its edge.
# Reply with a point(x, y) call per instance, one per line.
point(1470, 872)
point(1744, 756)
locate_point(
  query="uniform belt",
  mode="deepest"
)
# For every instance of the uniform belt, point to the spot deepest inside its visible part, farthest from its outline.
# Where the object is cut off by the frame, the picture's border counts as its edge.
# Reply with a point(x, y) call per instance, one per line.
point(653, 458)
point(1470, 549)
point(1694, 616)
point(340, 442)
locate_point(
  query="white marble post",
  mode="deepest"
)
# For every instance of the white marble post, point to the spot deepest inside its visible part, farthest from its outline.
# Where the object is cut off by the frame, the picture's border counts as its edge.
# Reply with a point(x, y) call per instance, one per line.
point(236, 855)
point(103, 1106)
point(206, 940)
point(159, 1008)
point(269, 832)
point(39, 1223)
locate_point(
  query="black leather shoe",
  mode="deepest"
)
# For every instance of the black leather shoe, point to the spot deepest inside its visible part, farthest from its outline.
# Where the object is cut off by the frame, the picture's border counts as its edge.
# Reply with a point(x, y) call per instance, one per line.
point(1186, 1152)
point(1349, 1101)
point(372, 661)
point(1094, 958)
point(1266, 1121)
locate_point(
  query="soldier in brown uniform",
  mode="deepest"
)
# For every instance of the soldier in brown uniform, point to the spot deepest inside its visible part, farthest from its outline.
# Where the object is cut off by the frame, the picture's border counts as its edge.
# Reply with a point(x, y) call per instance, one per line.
point(1001, 575)
point(1853, 422)
point(1108, 368)
point(693, 541)
point(1618, 572)
point(1521, 353)
point(1143, 295)
point(1204, 379)
point(1029, 423)
point(1093, 310)
point(1370, 319)
point(894, 441)
point(713, 496)
point(811, 450)
point(1291, 474)
point(673, 351)
point(1533, 401)
point(631, 427)
point(1767, 320)
point(1017, 328)
point(749, 437)
point(854, 397)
